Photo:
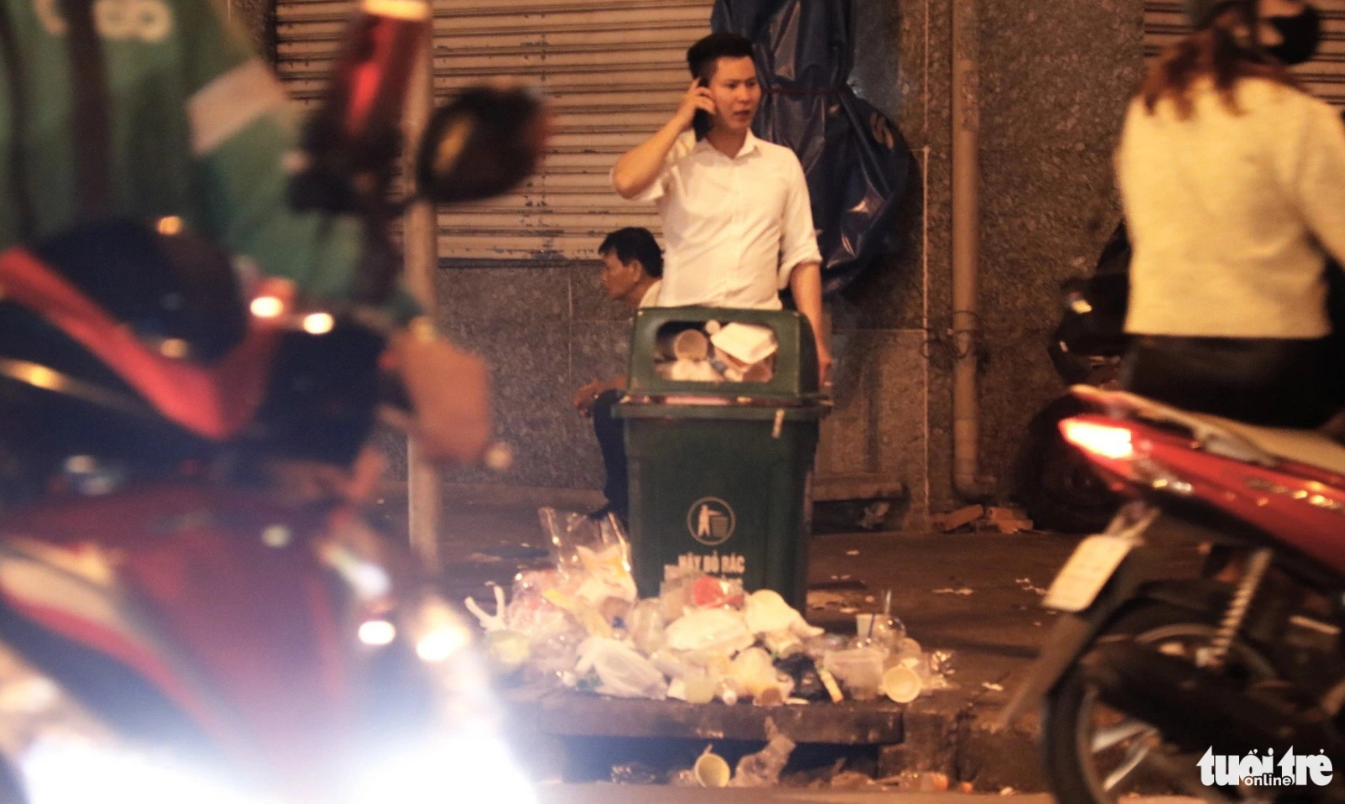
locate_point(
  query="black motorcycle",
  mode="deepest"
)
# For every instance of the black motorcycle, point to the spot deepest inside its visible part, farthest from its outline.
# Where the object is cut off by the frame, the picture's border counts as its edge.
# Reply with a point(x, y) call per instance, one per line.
point(1051, 480)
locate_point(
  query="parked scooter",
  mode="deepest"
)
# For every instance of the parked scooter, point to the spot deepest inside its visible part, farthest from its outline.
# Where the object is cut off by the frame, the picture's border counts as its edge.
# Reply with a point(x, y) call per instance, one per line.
point(1205, 624)
point(1054, 483)
point(191, 609)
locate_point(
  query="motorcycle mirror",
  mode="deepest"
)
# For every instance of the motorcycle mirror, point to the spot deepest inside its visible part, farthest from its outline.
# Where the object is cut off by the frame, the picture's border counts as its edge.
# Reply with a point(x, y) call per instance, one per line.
point(485, 142)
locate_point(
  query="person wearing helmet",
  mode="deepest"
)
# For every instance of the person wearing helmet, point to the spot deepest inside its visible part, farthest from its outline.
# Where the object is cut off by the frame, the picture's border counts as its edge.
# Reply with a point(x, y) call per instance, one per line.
point(164, 111)
point(1233, 183)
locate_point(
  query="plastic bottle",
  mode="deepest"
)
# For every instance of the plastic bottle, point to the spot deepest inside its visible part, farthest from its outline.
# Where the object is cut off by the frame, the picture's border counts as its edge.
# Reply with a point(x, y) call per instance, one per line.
point(763, 768)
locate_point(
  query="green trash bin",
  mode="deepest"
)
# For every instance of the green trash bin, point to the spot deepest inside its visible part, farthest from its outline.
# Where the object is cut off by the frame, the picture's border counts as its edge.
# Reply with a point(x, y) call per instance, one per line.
point(722, 488)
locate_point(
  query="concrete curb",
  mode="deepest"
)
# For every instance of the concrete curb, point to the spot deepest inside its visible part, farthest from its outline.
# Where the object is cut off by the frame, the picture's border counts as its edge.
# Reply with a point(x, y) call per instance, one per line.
point(963, 743)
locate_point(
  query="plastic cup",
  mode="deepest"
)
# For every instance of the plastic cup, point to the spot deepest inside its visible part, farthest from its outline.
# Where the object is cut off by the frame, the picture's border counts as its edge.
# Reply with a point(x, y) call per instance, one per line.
point(876, 629)
point(712, 770)
point(691, 345)
point(909, 652)
point(902, 684)
point(860, 670)
point(771, 696)
point(700, 689)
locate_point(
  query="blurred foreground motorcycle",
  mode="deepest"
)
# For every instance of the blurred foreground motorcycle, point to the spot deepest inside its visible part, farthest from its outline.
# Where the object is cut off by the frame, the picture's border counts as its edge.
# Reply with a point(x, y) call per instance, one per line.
point(191, 609)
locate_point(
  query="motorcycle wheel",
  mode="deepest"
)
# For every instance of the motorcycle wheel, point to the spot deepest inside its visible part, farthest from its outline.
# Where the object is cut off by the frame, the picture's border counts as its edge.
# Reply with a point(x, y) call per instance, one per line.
point(1055, 483)
point(1092, 754)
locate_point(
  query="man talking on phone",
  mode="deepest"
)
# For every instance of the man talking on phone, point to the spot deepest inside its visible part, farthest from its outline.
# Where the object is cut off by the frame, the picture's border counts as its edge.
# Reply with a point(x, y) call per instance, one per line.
point(737, 221)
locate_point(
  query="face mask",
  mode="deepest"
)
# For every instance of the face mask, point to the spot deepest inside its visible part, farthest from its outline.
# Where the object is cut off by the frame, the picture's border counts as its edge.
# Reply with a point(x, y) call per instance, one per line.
point(1302, 34)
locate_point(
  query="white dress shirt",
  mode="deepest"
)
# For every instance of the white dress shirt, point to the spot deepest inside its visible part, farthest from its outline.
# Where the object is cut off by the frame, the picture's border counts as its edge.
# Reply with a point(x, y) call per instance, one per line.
point(650, 298)
point(734, 228)
point(1232, 215)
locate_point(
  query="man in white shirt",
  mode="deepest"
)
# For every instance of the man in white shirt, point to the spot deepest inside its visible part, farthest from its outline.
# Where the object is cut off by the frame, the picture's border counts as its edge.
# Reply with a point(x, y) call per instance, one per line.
point(736, 214)
point(631, 266)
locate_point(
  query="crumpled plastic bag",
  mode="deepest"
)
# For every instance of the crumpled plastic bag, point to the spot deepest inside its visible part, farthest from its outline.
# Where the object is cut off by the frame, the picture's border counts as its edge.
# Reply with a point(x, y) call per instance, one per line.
point(711, 630)
point(592, 555)
point(551, 634)
point(766, 612)
point(763, 768)
point(622, 672)
point(646, 626)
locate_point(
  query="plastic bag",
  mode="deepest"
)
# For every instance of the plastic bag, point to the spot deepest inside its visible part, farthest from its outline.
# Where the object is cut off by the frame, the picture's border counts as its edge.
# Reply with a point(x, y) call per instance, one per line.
point(593, 556)
point(647, 629)
point(715, 630)
point(766, 612)
point(807, 683)
point(708, 592)
point(507, 650)
point(622, 671)
point(856, 162)
point(763, 768)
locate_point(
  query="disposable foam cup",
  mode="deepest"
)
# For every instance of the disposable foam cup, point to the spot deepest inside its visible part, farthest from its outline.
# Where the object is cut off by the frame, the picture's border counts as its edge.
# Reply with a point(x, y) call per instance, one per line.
point(700, 689)
point(902, 684)
point(712, 770)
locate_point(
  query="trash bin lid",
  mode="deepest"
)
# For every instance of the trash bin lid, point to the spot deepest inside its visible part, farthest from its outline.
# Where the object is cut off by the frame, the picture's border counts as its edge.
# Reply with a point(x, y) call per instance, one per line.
point(638, 409)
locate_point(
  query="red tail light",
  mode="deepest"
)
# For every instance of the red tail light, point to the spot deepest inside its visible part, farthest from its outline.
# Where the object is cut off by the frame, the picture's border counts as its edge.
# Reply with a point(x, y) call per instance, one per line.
point(1104, 440)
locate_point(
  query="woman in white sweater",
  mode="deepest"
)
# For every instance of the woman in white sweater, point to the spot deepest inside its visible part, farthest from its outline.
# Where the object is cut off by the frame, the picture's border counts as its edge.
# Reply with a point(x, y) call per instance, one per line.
point(1233, 181)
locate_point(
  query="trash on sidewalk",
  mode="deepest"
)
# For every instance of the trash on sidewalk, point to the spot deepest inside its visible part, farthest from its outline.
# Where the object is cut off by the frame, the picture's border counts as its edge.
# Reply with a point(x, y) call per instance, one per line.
point(581, 625)
point(962, 516)
point(711, 770)
point(763, 768)
point(852, 780)
point(1027, 586)
point(1008, 520)
point(919, 782)
point(964, 591)
point(981, 518)
point(634, 773)
point(622, 672)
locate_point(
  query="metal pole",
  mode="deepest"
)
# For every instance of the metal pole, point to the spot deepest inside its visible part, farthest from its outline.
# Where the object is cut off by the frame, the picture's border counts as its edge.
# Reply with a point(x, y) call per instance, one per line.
point(424, 498)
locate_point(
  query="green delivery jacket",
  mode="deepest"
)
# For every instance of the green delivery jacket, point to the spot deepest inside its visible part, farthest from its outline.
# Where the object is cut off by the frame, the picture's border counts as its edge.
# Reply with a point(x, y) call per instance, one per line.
point(199, 129)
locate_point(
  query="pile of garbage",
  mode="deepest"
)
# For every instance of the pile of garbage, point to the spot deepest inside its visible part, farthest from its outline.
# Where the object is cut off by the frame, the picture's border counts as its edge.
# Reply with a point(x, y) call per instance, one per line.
point(580, 624)
point(732, 352)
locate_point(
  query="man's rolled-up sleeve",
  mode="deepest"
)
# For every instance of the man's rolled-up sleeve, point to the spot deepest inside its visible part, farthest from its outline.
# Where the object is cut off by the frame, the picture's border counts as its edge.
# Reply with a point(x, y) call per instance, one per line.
point(659, 187)
point(798, 239)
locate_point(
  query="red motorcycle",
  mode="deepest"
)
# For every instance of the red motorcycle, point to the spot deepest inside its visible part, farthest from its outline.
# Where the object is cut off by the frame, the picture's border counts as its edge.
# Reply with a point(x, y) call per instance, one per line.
point(1199, 644)
point(191, 609)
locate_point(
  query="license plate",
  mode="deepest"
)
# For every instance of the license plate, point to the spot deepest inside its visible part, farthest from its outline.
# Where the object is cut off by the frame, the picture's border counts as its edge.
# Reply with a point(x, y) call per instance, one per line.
point(1086, 572)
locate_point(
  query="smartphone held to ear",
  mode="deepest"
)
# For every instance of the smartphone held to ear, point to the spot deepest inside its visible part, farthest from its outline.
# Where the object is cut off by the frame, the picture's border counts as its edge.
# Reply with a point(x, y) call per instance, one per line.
point(701, 123)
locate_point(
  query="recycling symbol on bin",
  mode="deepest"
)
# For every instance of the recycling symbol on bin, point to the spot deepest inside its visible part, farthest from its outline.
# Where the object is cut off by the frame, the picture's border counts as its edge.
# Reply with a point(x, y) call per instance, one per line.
point(711, 521)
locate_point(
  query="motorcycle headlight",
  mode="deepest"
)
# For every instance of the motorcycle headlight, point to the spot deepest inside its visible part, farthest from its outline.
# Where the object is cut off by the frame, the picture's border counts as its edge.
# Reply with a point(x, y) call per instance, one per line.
point(69, 768)
point(61, 754)
point(467, 759)
point(468, 764)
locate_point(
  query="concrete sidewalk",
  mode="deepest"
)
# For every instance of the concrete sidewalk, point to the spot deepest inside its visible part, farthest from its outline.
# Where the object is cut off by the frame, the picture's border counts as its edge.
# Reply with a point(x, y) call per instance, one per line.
point(622, 794)
point(974, 594)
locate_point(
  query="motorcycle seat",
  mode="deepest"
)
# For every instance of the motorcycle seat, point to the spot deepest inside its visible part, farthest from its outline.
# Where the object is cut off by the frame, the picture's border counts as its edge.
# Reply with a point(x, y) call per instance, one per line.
point(1232, 439)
